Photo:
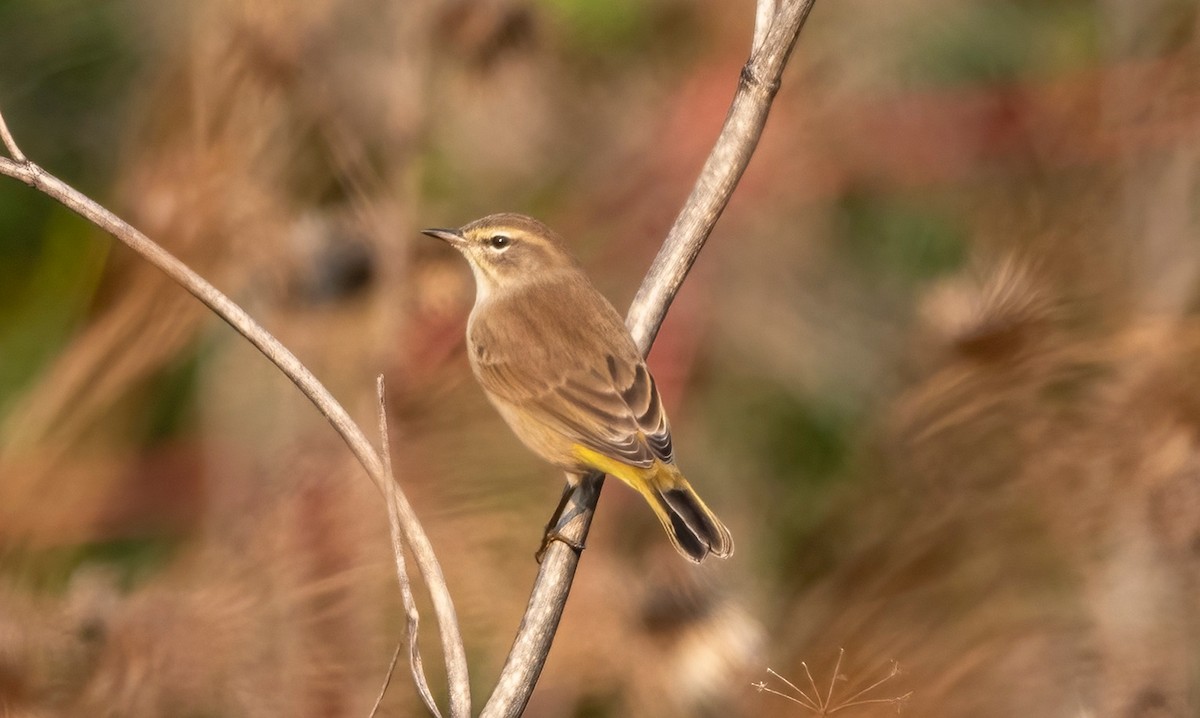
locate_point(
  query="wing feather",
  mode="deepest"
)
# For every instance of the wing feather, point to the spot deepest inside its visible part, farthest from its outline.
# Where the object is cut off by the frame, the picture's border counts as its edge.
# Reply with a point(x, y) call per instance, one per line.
point(572, 379)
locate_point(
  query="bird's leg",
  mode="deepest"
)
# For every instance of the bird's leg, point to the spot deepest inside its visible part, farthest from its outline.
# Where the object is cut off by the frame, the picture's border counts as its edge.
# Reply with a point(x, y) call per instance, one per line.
point(552, 533)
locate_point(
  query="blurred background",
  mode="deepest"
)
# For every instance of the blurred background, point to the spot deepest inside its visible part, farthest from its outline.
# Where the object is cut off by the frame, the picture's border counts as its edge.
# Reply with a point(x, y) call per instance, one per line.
point(938, 368)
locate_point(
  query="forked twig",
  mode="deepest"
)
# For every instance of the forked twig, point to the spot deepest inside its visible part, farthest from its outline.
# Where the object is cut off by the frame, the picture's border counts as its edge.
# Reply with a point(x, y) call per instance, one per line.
point(824, 705)
point(807, 701)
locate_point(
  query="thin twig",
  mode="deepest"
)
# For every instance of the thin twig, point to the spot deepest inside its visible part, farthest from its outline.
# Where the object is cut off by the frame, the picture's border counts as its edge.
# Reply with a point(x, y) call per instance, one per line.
point(837, 667)
point(807, 700)
point(764, 688)
point(387, 680)
point(897, 701)
point(410, 605)
point(891, 674)
point(730, 155)
point(823, 705)
point(451, 637)
point(816, 691)
point(13, 150)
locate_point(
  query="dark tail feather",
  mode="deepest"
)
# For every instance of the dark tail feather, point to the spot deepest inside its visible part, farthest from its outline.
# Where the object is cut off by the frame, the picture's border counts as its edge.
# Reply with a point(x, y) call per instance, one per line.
point(693, 528)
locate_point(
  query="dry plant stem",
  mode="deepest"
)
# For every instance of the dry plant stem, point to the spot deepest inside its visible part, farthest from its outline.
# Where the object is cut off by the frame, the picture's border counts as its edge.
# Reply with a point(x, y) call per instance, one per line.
point(410, 605)
point(546, 603)
point(456, 662)
point(728, 160)
point(764, 17)
point(387, 681)
point(807, 701)
point(824, 705)
point(778, 24)
point(10, 144)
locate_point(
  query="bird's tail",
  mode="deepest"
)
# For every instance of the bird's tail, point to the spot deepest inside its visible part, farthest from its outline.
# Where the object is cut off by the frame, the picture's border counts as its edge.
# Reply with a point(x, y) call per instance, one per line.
point(693, 528)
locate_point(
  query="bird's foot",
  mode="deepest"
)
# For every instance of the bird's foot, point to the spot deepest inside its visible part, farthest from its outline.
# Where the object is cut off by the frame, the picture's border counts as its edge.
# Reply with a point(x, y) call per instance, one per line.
point(552, 535)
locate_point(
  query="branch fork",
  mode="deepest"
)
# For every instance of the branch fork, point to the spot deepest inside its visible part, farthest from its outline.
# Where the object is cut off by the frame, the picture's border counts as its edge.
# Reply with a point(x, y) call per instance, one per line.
point(777, 26)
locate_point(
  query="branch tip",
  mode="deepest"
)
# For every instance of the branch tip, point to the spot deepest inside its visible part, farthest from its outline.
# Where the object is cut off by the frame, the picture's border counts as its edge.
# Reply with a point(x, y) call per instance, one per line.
point(10, 143)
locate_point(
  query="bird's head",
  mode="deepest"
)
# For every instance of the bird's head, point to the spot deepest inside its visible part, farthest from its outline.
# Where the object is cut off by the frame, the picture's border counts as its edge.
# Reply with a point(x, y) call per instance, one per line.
point(507, 250)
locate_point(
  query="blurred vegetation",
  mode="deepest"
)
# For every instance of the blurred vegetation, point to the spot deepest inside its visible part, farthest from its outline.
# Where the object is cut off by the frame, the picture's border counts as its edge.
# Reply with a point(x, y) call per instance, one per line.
point(1006, 42)
point(935, 369)
point(68, 69)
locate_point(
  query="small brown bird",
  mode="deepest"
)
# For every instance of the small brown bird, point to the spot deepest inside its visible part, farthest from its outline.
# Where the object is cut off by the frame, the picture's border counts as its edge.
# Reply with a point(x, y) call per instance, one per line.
point(558, 363)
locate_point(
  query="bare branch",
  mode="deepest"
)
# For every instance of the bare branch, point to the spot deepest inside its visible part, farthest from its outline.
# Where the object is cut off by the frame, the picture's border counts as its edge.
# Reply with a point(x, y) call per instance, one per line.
point(730, 155)
point(764, 16)
point(416, 665)
point(451, 638)
point(13, 150)
point(546, 603)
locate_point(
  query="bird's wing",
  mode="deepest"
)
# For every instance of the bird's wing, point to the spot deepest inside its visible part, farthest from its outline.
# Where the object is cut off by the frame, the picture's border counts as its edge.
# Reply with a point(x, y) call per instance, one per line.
point(602, 397)
point(613, 409)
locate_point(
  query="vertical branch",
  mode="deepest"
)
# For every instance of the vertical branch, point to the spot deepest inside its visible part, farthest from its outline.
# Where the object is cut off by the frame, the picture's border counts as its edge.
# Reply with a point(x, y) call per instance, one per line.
point(777, 26)
point(415, 664)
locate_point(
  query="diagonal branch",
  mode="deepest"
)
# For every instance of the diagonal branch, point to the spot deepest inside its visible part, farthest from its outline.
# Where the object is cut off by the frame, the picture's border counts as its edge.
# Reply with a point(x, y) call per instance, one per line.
point(456, 663)
point(729, 158)
point(777, 26)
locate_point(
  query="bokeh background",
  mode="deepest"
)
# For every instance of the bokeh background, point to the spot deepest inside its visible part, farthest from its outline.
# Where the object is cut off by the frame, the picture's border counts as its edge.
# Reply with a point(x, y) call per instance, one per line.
point(938, 368)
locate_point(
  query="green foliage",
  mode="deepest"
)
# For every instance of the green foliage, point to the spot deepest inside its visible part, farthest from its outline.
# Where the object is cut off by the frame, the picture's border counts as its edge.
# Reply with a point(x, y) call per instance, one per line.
point(603, 27)
point(65, 68)
point(130, 561)
point(1004, 41)
point(172, 396)
point(617, 34)
point(800, 440)
point(898, 239)
point(44, 289)
point(595, 705)
point(807, 439)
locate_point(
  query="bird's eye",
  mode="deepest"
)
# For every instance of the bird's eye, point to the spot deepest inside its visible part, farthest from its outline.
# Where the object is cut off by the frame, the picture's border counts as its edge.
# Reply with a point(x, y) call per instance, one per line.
point(499, 241)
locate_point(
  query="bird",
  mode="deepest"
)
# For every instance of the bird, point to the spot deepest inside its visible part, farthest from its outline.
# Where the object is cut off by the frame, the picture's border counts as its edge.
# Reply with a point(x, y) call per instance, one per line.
point(557, 362)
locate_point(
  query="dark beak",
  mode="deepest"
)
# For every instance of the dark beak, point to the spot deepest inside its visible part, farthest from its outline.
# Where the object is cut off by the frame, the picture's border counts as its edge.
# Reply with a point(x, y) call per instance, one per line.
point(453, 237)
